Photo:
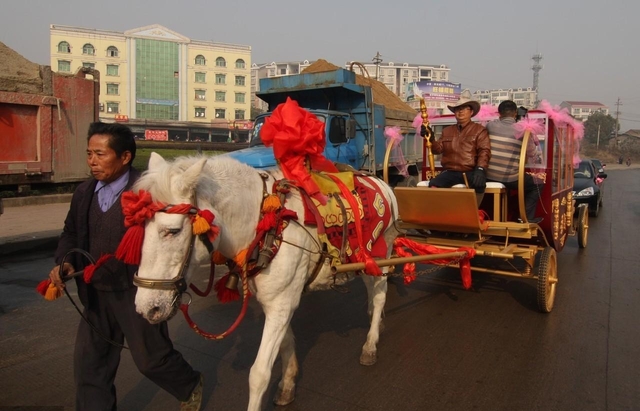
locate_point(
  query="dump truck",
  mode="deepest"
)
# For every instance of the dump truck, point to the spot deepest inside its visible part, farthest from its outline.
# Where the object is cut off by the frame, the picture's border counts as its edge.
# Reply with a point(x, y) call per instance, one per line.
point(44, 118)
point(355, 110)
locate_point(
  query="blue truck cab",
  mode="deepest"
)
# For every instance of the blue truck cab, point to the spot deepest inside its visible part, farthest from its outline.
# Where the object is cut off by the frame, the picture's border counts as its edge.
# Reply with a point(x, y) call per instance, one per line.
point(354, 123)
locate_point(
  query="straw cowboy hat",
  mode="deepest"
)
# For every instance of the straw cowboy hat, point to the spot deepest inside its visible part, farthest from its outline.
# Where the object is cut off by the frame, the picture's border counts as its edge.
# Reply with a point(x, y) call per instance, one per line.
point(465, 100)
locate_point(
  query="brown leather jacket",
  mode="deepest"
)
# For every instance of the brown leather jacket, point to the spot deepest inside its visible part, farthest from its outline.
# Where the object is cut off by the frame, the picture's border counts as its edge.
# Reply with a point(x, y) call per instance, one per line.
point(463, 150)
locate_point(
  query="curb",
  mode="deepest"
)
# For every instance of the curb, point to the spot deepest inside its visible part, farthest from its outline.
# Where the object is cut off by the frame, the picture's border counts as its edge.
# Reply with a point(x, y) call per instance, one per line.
point(36, 200)
point(43, 241)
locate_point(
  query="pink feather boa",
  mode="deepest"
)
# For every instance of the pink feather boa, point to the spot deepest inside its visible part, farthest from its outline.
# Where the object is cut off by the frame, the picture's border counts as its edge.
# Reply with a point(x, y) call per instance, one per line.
point(394, 136)
point(487, 113)
point(534, 126)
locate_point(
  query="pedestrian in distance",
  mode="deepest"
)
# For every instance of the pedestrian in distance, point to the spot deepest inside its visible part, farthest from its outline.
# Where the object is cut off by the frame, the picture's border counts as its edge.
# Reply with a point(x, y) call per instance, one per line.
point(505, 157)
point(465, 148)
point(95, 223)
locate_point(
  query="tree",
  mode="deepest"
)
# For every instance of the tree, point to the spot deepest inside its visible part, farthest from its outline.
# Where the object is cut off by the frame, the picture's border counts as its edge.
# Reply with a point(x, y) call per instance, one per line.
point(602, 123)
point(255, 112)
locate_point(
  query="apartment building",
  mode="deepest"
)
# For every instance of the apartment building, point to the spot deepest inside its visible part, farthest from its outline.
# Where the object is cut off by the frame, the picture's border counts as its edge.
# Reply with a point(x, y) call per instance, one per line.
point(155, 74)
point(583, 109)
point(525, 97)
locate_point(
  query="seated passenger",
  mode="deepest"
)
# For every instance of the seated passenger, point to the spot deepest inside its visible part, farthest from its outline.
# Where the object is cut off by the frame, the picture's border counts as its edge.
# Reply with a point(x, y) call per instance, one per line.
point(505, 157)
point(465, 148)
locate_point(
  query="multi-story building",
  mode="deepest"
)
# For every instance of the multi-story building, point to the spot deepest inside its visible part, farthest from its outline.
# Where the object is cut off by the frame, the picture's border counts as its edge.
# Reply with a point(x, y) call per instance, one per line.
point(525, 97)
point(272, 69)
point(153, 74)
point(581, 110)
point(396, 76)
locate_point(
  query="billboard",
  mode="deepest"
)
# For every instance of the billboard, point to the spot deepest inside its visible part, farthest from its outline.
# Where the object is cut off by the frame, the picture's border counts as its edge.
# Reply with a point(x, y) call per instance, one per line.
point(157, 135)
point(435, 91)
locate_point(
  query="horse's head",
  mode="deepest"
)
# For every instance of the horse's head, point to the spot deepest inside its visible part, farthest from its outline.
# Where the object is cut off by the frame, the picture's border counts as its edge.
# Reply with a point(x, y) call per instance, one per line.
point(178, 236)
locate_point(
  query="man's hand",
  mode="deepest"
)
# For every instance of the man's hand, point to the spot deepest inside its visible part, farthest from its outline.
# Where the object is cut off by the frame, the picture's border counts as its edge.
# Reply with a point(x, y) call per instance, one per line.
point(54, 274)
point(479, 179)
point(426, 131)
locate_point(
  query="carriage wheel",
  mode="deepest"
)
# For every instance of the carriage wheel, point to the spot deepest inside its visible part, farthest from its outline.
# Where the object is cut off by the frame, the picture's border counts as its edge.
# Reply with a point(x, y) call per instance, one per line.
point(547, 272)
point(583, 226)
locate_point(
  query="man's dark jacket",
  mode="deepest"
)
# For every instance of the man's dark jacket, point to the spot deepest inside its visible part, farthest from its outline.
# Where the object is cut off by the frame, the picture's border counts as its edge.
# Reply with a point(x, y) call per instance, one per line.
point(114, 275)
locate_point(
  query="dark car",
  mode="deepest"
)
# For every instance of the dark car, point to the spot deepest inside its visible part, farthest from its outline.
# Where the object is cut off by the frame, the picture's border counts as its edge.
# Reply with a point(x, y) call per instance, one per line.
point(588, 186)
point(600, 166)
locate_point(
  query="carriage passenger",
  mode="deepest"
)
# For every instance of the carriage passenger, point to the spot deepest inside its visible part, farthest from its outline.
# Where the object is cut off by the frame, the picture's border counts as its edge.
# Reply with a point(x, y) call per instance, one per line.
point(465, 148)
point(505, 157)
point(95, 223)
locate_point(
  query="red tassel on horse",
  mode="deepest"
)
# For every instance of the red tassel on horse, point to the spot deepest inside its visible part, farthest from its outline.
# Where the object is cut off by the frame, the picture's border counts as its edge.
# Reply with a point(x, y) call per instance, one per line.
point(130, 248)
point(225, 295)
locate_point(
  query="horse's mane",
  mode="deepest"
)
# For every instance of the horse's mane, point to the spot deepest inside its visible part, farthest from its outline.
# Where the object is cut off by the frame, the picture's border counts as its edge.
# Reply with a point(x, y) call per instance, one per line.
point(219, 175)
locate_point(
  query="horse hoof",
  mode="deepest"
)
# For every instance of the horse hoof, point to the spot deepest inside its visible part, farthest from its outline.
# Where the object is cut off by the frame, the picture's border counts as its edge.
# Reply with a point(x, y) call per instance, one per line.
point(285, 397)
point(368, 358)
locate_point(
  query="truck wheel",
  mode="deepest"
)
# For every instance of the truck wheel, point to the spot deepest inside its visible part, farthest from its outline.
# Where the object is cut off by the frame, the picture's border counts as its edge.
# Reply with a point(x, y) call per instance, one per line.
point(547, 272)
point(596, 211)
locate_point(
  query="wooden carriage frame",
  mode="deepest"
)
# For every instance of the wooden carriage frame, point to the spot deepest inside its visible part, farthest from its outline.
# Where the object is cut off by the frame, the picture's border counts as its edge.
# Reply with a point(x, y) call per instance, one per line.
point(450, 217)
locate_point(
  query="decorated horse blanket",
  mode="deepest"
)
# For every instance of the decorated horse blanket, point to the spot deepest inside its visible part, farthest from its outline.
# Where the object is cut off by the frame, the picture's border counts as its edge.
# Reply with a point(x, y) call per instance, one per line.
point(356, 200)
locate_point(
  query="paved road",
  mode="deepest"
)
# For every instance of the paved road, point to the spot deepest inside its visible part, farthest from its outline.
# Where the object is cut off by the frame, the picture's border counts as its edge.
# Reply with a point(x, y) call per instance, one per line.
point(443, 348)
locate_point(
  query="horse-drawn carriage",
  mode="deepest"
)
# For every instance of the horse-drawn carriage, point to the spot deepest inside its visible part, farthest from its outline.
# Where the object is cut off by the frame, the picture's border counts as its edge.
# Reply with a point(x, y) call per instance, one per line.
point(198, 210)
point(498, 227)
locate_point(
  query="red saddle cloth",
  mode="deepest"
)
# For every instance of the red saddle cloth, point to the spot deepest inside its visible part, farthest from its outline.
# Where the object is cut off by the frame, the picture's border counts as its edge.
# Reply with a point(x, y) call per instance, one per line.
point(373, 216)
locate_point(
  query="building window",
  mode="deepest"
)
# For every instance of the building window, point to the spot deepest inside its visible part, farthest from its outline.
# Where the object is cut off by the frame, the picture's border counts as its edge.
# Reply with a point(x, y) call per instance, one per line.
point(239, 80)
point(220, 95)
point(201, 78)
point(113, 89)
point(112, 51)
point(113, 108)
point(201, 95)
point(112, 70)
point(200, 112)
point(64, 47)
point(239, 115)
point(64, 66)
point(240, 64)
point(200, 60)
point(88, 49)
point(239, 97)
point(220, 113)
point(221, 62)
point(89, 65)
point(221, 79)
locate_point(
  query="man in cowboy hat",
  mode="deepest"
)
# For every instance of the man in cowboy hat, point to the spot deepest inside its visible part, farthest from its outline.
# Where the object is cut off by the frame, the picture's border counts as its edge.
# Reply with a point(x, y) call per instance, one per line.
point(465, 148)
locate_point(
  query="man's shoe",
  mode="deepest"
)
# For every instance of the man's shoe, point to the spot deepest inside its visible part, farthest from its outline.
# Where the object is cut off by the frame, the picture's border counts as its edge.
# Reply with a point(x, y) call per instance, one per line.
point(195, 399)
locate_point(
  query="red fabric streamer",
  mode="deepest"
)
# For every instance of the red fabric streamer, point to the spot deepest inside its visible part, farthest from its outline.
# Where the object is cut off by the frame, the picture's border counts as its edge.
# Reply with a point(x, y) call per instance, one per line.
point(297, 136)
point(91, 268)
point(267, 222)
point(424, 249)
point(225, 295)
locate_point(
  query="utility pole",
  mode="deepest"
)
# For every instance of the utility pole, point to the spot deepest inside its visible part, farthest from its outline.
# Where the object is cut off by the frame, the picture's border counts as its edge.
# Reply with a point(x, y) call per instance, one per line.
point(618, 104)
point(598, 139)
point(377, 60)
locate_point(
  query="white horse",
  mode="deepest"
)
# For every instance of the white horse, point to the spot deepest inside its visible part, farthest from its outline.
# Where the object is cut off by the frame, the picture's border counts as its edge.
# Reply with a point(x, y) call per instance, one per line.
point(233, 192)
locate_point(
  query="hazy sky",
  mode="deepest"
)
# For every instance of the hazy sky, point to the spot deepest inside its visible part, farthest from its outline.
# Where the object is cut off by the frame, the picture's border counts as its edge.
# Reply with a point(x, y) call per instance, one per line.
point(590, 48)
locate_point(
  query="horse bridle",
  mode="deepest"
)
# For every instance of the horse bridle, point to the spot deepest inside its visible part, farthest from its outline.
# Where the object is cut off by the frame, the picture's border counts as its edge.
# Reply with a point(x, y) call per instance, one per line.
point(177, 283)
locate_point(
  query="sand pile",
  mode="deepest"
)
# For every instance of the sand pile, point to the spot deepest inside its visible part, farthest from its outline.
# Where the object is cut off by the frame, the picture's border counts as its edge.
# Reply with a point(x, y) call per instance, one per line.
point(381, 94)
point(17, 74)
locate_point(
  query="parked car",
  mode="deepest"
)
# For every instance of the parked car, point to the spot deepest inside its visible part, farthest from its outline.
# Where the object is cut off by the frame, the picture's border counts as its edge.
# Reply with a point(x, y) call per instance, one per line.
point(600, 166)
point(588, 186)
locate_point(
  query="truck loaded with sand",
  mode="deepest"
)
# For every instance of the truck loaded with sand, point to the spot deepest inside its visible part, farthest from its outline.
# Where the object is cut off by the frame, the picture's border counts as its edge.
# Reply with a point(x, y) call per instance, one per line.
point(43, 120)
point(360, 115)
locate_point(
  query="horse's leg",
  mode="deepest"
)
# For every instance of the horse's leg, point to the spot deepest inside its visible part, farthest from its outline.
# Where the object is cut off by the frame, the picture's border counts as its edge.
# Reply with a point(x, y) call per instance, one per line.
point(278, 313)
point(377, 295)
point(287, 386)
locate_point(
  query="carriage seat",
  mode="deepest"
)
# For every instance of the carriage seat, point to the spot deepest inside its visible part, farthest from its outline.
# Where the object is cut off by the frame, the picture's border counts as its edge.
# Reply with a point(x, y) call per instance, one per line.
point(499, 192)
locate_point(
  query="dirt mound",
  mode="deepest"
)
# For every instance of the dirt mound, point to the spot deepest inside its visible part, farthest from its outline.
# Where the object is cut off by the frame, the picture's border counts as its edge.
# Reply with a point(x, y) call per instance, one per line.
point(381, 94)
point(17, 74)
